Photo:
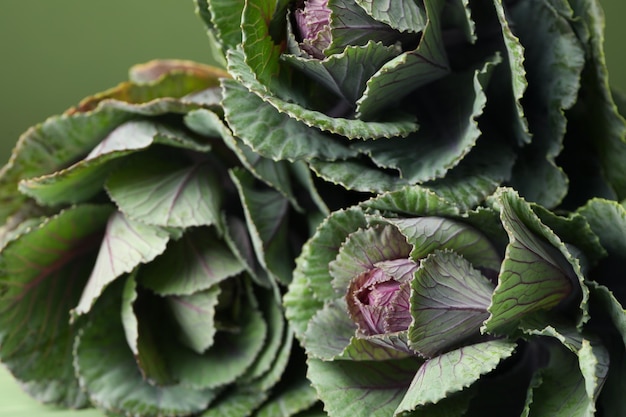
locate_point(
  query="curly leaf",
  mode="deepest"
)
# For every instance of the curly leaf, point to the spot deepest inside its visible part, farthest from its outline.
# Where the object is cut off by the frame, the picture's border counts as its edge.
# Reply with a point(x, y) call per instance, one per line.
point(86, 178)
point(361, 389)
point(448, 113)
point(401, 124)
point(451, 372)
point(346, 73)
point(410, 70)
point(272, 134)
point(537, 273)
point(449, 301)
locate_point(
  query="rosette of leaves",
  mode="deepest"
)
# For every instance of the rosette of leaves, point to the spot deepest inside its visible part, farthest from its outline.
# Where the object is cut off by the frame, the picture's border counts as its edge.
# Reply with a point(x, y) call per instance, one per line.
point(376, 95)
point(143, 255)
point(414, 304)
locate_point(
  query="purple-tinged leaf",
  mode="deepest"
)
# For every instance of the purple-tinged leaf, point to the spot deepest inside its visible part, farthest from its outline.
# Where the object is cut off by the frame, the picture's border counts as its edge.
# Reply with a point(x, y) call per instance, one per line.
point(126, 245)
point(195, 262)
point(430, 233)
point(363, 250)
point(452, 372)
point(161, 192)
point(449, 301)
point(195, 316)
point(43, 271)
point(364, 388)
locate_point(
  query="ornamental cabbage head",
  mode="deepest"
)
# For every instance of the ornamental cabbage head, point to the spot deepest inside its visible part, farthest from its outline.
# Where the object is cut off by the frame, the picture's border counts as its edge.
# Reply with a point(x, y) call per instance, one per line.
point(413, 304)
point(144, 252)
point(378, 95)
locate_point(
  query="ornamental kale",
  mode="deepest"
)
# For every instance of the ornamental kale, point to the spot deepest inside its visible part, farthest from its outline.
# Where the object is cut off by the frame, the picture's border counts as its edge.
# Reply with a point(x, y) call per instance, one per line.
point(415, 305)
point(143, 256)
point(378, 95)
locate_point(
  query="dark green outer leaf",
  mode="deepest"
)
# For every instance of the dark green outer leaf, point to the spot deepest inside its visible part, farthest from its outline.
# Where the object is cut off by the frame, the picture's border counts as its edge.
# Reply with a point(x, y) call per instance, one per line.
point(86, 178)
point(561, 391)
point(554, 59)
point(61, 140)
point(448, 110)
point(108, 371)
point(272, 134)
point(361, 389)
point(453, 371)
point(42, 274)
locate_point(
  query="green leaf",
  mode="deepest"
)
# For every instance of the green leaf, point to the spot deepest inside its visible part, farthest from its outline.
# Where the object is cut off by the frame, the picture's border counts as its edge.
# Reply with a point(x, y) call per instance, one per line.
point(516, 75)
point(86, 178)
point(42, 273)
point(126, 244)
point(562, 390)
point(353, 174)
point(361, 389)
point(608, 221)
point(226, 21)
point(554, 59)
point(448, 111)
point(236, 403)
point(537, 273)
point(277, 335)
point(108, 372)
point(266, 214)
point(350, 25)
point(195, 316)
point(410, 70)
point(140, 336)
point(261, 54)
point(402, 15)
point(399, 125)
point(272, 134)
point(449, 301)
point(233, 352)
point(161, 192)
point(273, 173)
point(311, 285)
point(363, 249)
point(429, 233)
point(451, 372)
point(298, 397)
point(195, 262)
point(61, 140)
point(339, 72)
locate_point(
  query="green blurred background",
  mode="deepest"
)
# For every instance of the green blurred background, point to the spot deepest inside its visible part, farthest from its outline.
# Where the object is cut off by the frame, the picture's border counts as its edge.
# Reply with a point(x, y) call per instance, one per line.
point(53, 53)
